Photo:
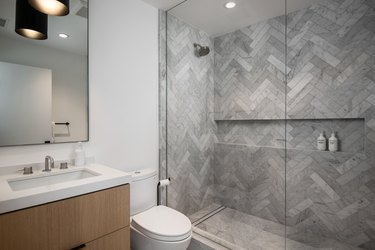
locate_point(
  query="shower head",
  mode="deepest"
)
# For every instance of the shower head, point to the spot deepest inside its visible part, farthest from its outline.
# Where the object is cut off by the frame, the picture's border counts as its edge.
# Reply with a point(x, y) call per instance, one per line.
point(201, 50)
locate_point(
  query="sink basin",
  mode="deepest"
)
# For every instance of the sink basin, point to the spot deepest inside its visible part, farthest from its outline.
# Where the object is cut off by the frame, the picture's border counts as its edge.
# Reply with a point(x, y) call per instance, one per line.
point(49, 179)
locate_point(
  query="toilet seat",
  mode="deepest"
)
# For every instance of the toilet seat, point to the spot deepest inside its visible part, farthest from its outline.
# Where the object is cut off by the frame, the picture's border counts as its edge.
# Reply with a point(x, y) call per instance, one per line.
point(162, 223)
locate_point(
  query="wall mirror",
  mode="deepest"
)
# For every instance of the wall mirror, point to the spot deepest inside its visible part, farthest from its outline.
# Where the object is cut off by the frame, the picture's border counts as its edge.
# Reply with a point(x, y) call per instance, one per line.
point(44, 83)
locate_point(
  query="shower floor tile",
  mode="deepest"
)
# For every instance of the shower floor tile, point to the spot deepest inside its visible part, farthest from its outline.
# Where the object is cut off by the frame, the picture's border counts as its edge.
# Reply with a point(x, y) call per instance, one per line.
point(237, 230)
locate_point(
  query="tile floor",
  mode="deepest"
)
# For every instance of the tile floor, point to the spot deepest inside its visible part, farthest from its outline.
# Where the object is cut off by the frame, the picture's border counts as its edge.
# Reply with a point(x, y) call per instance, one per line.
point(236, 230)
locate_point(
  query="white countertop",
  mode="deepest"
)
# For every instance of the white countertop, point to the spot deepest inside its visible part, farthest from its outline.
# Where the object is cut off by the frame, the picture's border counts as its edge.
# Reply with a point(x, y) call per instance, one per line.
point(13, 200)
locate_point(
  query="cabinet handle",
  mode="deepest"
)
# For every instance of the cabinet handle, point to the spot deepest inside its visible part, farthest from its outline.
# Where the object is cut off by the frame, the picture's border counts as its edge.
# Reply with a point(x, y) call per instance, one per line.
point(79, 247)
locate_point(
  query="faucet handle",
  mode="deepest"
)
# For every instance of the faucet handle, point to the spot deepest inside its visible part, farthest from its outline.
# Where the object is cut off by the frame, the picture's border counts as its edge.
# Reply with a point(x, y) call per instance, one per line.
point(27, 170)
point(63, 165)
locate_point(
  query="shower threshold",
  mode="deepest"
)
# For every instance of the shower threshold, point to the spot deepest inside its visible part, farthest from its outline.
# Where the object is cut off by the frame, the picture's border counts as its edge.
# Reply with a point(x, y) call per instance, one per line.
point(236, 230)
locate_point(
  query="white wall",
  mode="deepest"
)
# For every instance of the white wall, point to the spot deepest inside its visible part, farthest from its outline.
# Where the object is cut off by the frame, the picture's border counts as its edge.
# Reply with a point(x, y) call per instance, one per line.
point(124, 83)
point(123, 90)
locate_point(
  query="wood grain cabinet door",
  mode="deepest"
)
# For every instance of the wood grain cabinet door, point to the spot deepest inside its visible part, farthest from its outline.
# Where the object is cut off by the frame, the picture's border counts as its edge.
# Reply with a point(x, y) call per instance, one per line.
point(86, 218)
point(25, 229)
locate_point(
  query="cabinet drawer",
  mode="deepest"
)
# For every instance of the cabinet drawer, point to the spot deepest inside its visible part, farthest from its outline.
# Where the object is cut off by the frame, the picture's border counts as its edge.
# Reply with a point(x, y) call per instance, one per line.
point(67, 223)
point(119, 240)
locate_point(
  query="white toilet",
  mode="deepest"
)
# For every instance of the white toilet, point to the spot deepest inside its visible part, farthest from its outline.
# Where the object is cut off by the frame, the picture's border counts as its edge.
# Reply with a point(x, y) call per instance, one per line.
point(154, 227)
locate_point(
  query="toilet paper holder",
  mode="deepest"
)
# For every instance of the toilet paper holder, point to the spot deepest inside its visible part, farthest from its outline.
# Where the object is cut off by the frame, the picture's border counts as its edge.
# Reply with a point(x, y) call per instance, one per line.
point(161, 184)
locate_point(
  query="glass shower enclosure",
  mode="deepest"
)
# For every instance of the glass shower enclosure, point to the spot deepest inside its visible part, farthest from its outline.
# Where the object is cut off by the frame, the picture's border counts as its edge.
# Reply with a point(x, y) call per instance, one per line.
point(245, 93)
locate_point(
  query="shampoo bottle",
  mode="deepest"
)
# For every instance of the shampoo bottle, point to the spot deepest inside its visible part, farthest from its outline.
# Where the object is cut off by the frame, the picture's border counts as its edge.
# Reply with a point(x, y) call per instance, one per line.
point(79, 155)
point(322, 143)
point(332, 143)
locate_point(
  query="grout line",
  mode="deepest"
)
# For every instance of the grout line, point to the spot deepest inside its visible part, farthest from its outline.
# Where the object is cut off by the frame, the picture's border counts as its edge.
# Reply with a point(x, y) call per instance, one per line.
point(286, 121)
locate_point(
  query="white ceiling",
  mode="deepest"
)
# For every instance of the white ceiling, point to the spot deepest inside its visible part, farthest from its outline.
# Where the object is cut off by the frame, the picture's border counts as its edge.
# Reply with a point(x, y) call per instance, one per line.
point(212, 17)
point(73, 25)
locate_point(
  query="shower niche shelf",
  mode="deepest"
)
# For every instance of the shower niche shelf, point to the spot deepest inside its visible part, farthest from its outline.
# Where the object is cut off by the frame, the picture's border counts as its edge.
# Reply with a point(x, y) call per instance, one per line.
point(289, 119)
point(301, 134)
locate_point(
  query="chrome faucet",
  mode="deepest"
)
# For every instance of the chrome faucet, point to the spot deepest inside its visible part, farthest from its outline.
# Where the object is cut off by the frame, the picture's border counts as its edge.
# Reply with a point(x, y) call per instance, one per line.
point(48, 164)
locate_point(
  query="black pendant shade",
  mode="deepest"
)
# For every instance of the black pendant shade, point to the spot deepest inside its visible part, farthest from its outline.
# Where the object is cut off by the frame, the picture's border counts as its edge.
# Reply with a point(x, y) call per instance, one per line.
point(51, 7)
point(30, 23)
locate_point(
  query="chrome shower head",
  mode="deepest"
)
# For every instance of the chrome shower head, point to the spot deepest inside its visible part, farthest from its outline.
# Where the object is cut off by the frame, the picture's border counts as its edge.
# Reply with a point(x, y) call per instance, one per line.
point(201, 50)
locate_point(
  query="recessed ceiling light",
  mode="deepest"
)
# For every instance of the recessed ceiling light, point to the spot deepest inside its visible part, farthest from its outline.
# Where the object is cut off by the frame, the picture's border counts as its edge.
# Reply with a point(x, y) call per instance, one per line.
point(62, 35)
point(230, 5)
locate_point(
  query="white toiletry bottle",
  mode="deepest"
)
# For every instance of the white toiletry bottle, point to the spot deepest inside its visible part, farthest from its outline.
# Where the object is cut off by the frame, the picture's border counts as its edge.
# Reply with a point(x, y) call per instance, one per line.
point(332, 143)
point(79, 155)
point(322, 142)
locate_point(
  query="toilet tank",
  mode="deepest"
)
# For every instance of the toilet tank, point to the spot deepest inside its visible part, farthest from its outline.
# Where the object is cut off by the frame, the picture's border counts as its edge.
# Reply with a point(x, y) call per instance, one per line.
point(143, 190)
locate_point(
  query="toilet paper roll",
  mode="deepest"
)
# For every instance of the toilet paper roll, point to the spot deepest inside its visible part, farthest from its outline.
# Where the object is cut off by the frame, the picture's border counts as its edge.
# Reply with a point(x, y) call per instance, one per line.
point(163, 183)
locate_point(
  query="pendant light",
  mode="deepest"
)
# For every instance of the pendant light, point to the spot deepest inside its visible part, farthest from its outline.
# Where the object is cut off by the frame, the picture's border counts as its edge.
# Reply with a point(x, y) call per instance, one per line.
point(51, 7)
point(30, 23)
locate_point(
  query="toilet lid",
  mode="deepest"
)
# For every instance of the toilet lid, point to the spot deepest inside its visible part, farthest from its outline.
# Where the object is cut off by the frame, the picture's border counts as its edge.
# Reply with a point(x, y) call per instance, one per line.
point(162, 223)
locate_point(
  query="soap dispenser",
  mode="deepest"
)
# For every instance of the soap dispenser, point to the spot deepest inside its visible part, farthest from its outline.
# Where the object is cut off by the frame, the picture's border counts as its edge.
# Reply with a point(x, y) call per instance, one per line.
point(332, 143)
point(79, 155)
point(322, 142)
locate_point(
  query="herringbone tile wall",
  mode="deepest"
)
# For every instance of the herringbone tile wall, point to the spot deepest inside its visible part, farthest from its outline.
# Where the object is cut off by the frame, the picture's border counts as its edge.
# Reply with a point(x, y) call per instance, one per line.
point(331, 56)
point(330, 46)
point(250, 72)
point(190, 120)
point(330, 195)
point(250, 179)
point(331, 60)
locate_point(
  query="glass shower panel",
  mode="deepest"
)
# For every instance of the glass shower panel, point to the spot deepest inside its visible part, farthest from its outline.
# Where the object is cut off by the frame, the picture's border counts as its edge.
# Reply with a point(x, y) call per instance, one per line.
point(190, 123)
point(225, 120)
point(330, 90)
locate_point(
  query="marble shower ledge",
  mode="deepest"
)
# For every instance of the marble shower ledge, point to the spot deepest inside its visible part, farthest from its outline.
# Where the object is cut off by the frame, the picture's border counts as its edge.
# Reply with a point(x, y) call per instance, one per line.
point(300, 133)
point(287, 119)
point(291, 149)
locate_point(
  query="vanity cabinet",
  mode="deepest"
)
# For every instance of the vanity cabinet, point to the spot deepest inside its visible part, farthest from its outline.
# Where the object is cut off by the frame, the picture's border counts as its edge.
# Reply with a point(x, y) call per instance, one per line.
point(117, 240)
point(98, 220)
